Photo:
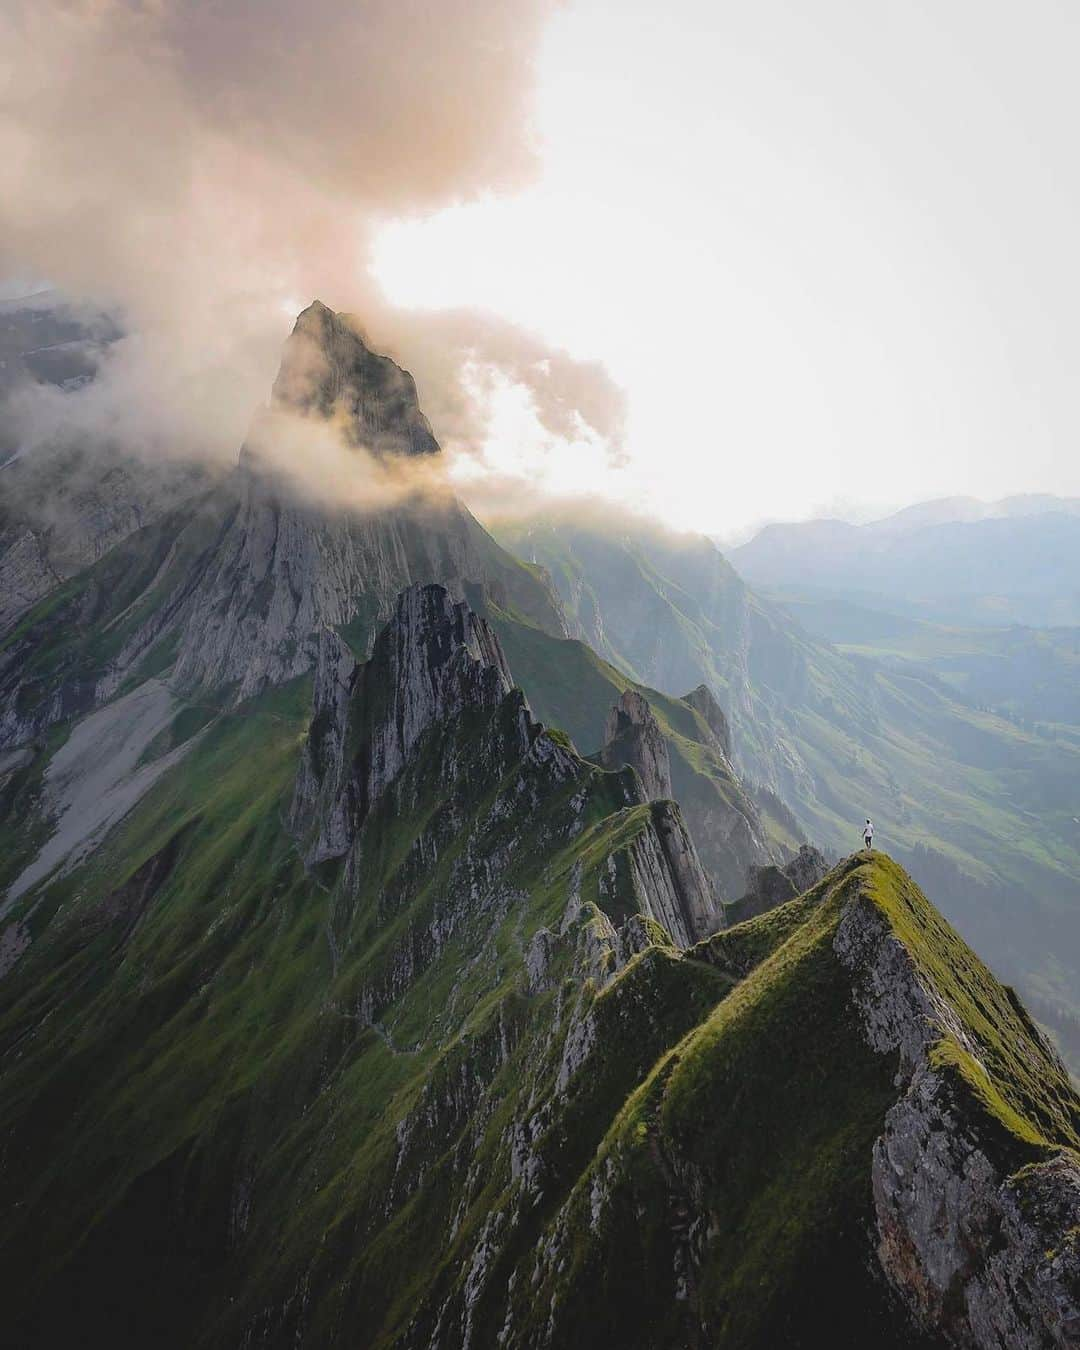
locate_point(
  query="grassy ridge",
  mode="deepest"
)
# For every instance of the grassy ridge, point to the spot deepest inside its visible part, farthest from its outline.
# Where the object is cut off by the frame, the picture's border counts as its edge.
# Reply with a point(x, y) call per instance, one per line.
point(763, 1118)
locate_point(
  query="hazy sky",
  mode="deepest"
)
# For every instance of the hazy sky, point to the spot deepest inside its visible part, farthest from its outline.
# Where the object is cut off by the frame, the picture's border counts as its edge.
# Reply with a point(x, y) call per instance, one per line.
point(826, 251)
point(829, 250)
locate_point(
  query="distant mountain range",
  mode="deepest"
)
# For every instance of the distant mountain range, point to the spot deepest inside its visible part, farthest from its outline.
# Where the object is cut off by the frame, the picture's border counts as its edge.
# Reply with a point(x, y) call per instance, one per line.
point(957, 560)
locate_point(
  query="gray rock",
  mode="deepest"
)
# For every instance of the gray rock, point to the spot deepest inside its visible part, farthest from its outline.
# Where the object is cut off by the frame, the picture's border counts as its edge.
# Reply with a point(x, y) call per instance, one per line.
point(774, 885)
point(243, 578)
point(984, 1258)
point(703, 701)
point(62, 509)
point(318, 796)
point(666, 877)
point(632, 736)
point(327, 370)
point(96, 778)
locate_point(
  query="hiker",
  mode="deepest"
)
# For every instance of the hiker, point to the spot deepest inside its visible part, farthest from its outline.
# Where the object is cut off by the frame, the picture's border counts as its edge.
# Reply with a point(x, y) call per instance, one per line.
point(868, 834)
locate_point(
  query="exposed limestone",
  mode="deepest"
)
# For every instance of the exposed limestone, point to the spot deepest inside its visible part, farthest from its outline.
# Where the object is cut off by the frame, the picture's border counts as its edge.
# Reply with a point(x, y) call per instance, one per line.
point(987, 1258)
point(434, 660)
point(703, 701)
point(806, 869)
point(666, 876)
point(318, 797)
point(328, 371)
point(774, 885)
point(431, 663)
point(14, 941)
point(632, 736)
point(237, 585)
point(97, 776)
point(62, 509)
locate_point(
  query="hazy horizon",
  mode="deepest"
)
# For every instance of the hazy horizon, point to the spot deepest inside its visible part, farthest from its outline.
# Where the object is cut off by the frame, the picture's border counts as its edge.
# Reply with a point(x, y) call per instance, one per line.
point(727, 265)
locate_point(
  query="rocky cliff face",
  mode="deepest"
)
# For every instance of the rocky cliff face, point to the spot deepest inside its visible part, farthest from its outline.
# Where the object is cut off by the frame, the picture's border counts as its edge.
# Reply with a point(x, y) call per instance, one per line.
point(433, 664)
point(63, 509)
point(329, 372)
point(829, 734)
point(343, 1003)
point(632, 736)
point(703, 700)
point(957, 1148)
point(978, 1225)
point(774, 884)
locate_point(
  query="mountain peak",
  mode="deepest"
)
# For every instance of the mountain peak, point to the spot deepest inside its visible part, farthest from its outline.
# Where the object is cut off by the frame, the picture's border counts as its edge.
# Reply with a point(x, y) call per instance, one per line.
point(327, 370)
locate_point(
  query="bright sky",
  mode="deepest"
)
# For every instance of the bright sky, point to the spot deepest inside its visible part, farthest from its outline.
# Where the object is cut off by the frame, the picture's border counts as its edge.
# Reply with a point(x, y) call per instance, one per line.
point(829, 250)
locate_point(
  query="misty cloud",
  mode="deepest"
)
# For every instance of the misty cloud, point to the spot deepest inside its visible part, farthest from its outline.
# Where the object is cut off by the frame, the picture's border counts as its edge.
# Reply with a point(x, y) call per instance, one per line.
point(205, 171)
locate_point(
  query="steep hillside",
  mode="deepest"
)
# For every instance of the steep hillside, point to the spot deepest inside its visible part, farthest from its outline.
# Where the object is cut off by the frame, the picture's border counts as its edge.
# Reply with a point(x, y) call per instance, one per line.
point(343, 1002)
point(379, 1022)
point(572, 688)
point(982, 809)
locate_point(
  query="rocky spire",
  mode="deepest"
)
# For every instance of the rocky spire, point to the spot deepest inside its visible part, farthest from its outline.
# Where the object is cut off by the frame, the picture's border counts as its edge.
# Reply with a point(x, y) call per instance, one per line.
point(773, 885)
point(703, 700)
point(633, 736)
point(431, 662)
point(434, 660)
point(328, 370)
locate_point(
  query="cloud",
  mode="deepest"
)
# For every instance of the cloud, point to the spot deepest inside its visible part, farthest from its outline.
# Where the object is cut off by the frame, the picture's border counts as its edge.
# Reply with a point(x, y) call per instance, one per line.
point(204, 169)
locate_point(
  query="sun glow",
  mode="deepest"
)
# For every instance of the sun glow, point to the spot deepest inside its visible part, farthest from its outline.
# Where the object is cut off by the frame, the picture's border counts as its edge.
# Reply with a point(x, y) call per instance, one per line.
point(754, 263)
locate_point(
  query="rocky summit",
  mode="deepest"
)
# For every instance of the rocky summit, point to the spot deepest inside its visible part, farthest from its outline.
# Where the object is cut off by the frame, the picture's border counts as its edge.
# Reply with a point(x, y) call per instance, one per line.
point(381, 967)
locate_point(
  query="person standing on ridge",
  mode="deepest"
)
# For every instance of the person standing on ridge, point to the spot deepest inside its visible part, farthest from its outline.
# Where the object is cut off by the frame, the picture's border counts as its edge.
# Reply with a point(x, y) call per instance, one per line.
point(868, 834)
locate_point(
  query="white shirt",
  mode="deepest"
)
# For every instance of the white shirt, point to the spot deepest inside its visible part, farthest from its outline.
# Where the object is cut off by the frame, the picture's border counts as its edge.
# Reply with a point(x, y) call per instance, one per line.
point(868, 830)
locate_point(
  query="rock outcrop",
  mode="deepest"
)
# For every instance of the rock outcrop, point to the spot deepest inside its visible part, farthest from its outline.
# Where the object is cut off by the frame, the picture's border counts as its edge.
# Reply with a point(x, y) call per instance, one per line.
point(362, 1010)
point(434, 660)
point(775, 884)
point(62, 509)
point(434, 663)
point(661, 868)
point(451, 1056)
point(703, 700)
point(329, 372)
point(632, 736)
point(949, 1123)
point(979, 1233)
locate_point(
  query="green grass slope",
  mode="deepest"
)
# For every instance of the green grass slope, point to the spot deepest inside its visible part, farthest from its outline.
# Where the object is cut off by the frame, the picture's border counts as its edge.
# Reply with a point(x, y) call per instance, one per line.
point(733, 1191)
point(570, 687)
point(1029, 675)
point(209, 1055)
